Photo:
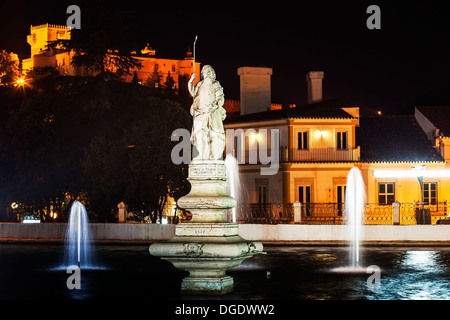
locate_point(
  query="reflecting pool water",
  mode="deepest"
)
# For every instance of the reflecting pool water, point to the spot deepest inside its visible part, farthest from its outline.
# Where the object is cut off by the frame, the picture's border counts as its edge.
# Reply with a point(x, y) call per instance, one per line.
point(29, 271)
point(416, 275)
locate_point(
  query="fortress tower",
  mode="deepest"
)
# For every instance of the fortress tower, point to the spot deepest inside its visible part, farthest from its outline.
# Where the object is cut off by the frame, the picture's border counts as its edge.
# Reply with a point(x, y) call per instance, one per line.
point(40, 35)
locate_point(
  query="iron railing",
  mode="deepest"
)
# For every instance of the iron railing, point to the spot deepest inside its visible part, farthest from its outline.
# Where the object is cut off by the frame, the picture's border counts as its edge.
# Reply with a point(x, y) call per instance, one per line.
point(264, 214)
point(322, 213)
point(378, 214)
point(332, 213)
point(408, 212)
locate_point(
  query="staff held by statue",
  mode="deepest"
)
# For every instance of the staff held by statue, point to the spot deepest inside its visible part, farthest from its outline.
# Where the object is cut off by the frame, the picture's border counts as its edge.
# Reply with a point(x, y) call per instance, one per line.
point(193, 66)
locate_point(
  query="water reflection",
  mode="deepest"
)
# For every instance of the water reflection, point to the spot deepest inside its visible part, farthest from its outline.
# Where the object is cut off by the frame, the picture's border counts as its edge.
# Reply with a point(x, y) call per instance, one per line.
point(423, 261)
point(415, 275)
point(310, 273)
point(296, 273)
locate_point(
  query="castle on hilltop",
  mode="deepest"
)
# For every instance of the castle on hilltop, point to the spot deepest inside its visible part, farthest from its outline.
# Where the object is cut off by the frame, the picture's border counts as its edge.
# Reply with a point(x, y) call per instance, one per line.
point(154, 71)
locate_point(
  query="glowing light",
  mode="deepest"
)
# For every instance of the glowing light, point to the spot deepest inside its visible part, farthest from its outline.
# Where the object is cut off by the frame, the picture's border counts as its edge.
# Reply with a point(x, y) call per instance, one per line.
point(255, 137)
point(379, 112)
point(321, 134)
point(397, 173)
point(14, 205)
point(31, 221)
point(21, 82)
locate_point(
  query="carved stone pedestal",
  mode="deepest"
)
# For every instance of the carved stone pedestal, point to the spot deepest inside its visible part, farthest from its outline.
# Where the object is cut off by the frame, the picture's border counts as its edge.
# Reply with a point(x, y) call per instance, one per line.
point(206, 250)
point(206, 246)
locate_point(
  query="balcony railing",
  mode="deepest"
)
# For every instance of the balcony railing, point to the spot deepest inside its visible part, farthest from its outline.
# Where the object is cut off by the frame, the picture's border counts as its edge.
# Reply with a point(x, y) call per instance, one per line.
point(334, 213)
point(319, 155)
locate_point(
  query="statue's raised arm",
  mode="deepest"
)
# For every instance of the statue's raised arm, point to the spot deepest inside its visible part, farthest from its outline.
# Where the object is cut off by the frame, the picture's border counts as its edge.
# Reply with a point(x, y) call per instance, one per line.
point(191, 86)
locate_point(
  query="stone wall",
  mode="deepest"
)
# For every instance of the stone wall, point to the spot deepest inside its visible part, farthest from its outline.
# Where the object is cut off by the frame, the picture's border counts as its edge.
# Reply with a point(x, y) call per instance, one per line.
point(276, 233)
point(99, 231)
point(339, 233)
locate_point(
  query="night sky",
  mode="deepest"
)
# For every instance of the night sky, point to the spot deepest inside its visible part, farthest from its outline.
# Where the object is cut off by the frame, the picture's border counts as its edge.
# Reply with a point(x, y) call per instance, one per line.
point(385, 69)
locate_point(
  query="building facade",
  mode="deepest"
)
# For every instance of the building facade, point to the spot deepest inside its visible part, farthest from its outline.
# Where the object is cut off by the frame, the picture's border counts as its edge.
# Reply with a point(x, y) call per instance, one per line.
point(318, 145)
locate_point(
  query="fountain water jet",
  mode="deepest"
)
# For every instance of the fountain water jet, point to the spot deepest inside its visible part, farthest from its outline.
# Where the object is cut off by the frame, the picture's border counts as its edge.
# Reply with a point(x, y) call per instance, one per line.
point(233, 182)
point(355, 198)
point(77, 240)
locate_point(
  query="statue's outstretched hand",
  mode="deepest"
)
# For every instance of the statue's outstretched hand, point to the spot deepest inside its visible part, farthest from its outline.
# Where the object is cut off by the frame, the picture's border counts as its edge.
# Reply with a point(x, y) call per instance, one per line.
point(193, 77)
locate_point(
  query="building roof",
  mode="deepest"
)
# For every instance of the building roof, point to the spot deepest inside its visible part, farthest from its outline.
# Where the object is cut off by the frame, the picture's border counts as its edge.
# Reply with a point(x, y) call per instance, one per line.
point(439, 116)
point(327, 109)
point(394, 139)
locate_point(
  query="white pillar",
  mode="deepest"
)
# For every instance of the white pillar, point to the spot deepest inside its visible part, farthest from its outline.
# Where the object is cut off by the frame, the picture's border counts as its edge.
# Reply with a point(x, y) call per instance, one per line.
point(122, 212)
point(297, 212)
point(396, 212)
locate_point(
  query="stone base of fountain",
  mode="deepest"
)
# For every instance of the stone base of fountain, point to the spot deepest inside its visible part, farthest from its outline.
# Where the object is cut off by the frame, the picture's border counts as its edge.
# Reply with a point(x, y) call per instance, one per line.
point(207, 245)
point(206, 250)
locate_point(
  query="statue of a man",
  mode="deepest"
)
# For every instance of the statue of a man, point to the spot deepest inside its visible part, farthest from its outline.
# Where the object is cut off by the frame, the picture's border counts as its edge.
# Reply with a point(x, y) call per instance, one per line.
point(208, 135)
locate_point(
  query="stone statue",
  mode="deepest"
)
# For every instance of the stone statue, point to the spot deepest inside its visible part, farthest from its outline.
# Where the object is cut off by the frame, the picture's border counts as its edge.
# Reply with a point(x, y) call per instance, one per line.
point(208, 135)
point(207, 245)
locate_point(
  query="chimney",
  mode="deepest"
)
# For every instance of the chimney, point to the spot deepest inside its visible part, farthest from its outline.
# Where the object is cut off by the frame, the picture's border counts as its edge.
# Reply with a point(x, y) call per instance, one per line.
point(255, 89)
point(314, 80)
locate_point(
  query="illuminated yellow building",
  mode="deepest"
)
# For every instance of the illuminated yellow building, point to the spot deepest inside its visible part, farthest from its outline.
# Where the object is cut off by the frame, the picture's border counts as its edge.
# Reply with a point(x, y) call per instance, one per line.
point(320, 142)
point(154, 71)
point(40, 57)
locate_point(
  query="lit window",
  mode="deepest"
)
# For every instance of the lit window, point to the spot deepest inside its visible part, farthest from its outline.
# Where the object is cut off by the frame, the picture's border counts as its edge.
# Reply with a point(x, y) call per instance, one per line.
point(262, 195)
point(261, 189)
point(341, 140)
point(304, 197)
point(430, 193)
point(304, 194)
point(340, 198)
point(386, 193)
point(302, 140)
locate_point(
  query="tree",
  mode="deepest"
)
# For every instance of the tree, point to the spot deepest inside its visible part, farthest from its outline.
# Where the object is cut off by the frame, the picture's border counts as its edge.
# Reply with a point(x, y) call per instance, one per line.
point(40, 146)
point(107, 141)
point(135, 79)
point(137, 168)
point(104, 163)
point(9, 68)
point(154, 81)
point(170, 88)
point(104, 44)
point(42, 72)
